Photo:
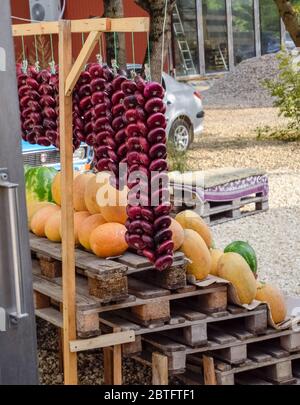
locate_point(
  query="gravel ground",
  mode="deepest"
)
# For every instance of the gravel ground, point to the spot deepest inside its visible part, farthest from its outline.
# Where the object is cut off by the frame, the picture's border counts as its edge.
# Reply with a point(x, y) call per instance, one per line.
point(242, 88)
point(274, 234)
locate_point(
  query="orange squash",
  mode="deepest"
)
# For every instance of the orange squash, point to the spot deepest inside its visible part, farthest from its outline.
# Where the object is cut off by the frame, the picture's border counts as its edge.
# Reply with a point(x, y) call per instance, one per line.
point(112, 203)
point(108, 240)
point(177, 234)
point(191, 220)
point(33, 207)
point(39, 219)
point(87, 227)
point(52, 227)
point(274, 298)
point(79, 186)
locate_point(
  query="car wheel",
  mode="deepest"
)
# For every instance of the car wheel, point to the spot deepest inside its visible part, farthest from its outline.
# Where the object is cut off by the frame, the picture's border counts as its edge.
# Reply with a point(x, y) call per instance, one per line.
point(181, 135)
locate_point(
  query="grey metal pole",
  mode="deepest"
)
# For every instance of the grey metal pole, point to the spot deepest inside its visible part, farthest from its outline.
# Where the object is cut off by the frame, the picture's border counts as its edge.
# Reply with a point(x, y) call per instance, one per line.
point(18, 357)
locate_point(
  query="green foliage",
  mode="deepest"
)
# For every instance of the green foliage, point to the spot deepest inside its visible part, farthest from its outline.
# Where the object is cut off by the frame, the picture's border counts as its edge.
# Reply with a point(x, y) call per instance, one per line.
point(177, 160)
point(286, 92)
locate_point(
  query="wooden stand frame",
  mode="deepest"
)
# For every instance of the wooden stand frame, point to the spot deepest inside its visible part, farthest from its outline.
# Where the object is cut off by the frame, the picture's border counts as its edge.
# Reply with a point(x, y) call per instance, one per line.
point(68, 76)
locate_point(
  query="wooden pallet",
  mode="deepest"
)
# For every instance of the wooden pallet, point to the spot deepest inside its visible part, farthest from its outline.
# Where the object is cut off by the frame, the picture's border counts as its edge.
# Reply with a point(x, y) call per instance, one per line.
point(224, 348)
point(145, 304)
point(215, 213)
point(107, 279)
point(265, 369)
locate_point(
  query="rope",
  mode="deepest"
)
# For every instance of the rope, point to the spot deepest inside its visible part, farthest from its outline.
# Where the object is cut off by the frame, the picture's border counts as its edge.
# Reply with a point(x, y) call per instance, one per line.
point(115, 47)
point(51, 46)
point(133, 50)
point(149, 53)
point(82, 38)
point(36, 54)
point(23, 48)
point(163, 39)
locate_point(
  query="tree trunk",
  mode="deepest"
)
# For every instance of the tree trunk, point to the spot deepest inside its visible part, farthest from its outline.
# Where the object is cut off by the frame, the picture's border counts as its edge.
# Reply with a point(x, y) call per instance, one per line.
point(290, 19)
point(115, 9)
point(156, 10)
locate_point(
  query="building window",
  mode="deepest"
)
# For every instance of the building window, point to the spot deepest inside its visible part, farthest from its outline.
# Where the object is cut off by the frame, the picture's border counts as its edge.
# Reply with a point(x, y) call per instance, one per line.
point(270, 27)
point(215, 35)
point(243, 30)
point(186, 38)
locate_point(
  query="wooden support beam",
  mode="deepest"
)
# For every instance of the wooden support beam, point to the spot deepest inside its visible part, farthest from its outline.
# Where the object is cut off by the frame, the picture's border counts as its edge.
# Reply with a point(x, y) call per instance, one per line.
point(209, 371)
point(111, 339)
point(81, 60)
point(160, 369)
point(68, 242)
point(131, 24)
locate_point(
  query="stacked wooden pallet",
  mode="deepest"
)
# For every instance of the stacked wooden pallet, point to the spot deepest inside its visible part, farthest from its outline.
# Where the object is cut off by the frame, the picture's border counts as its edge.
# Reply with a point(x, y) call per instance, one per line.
point(165, 315)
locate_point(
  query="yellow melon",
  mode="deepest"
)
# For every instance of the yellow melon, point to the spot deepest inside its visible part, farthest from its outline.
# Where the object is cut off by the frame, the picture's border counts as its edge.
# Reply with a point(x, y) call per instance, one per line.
point(39, 219)
point(87, 227)
point(215, 256)
point(191, 220)
point(52, 227)
point(79, 187)
point(56, 187)
point(91, 189)
point(197, 253)
point(113, 203)
point(108, 240)
point(177, 234)
point(33, 207)
point(234, 268)
point(275, 299)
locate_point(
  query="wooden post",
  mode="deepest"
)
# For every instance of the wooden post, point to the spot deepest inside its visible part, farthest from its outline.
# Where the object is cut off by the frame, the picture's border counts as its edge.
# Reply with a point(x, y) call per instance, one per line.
point(159, 369)
point(209, 371)
point(66, 159)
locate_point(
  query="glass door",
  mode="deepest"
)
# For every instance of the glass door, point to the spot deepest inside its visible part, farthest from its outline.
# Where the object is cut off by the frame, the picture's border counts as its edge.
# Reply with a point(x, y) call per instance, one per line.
point(215, 35)
point(270, 27)
point(185, 38)
point(243, 30)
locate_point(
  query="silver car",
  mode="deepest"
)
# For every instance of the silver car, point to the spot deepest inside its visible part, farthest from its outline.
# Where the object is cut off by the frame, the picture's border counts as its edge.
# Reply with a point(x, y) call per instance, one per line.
point(185, 114)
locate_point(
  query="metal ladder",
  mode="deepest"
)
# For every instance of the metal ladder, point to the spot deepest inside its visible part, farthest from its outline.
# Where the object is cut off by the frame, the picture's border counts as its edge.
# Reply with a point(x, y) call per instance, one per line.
point(183, 45)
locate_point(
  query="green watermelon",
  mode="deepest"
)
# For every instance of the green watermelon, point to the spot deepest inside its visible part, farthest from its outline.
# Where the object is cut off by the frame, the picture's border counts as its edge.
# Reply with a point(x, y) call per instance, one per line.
point(246, 251)
point(38, 181)
point(26, 168)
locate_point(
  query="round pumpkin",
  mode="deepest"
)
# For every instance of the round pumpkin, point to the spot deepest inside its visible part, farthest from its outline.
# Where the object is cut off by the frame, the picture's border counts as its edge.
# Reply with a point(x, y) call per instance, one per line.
point(108, 240)
point(52, 227)
point(91, 189)
point(112, 203)
point(234, 268)
point(197, 253)
point(39, 219)
point(56, 187)
point(215, 256)
point(191, 220)
point(87, 227)
point(274, 298)
point(33, 207)
point(177, 234)
point(79, 186)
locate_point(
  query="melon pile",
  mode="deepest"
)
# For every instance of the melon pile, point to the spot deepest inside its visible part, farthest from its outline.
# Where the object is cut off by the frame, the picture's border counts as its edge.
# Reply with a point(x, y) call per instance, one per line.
point(100, 219)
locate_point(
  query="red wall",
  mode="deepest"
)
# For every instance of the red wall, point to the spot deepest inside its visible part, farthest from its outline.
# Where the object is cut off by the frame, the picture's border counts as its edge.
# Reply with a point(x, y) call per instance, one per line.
point(79, 9)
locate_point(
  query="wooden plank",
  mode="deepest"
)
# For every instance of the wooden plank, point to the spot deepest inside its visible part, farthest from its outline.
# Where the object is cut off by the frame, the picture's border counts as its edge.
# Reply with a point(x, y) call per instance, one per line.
point(108, 365)
point(209, 371)
point(81, 61)
point(108, 340)
point(144, 290)
point(159, 369)
point(134, 261)
point(50, 315)
point(131, 24)
point(66, 161)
